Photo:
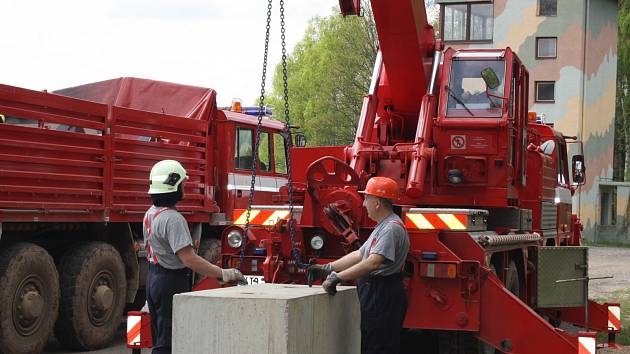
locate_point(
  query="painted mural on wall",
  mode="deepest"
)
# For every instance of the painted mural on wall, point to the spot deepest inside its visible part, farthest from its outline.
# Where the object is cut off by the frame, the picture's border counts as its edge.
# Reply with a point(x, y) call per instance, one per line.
point(584, 72)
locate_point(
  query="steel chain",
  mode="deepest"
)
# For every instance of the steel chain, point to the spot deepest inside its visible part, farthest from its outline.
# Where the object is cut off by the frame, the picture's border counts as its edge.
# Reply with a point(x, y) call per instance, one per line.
point(295, 252)
point(261, 106)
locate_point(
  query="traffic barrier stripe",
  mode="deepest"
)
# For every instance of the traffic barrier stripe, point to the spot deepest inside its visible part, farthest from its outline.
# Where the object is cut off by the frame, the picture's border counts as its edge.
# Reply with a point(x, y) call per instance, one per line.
point(614, 317)
point(260, 217)
point(587, 345)
point(431, 221)
point(133, 330)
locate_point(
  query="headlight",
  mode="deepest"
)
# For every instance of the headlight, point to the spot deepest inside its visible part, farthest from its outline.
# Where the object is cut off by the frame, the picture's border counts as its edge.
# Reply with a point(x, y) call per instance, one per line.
point(455, 176)
point(317, 242)
point(235, 238)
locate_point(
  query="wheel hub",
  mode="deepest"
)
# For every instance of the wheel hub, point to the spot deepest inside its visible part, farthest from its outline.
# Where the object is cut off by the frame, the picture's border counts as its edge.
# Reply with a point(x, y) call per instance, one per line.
point(31, 305)
point(28, 306)
point(103, 298)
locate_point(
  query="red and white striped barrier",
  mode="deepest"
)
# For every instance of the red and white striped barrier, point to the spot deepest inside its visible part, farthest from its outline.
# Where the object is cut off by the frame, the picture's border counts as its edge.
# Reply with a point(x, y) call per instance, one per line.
point(139, 330)
point(614, 317)
point(587, 343)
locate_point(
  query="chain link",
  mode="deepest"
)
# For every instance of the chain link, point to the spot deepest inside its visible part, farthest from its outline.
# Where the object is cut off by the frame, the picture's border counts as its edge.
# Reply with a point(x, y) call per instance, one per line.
point(295, 252)
point(261, 106)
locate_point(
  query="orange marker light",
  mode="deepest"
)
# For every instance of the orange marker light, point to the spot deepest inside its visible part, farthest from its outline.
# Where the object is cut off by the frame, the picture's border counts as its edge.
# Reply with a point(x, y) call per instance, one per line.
point(451, 271)
point(531, 117)
point(237, 105)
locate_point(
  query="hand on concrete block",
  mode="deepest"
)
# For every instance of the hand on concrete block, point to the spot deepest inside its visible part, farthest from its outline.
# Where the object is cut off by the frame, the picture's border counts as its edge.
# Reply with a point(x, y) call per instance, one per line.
point(330, 284)
point(317, 272)
point(230, 275)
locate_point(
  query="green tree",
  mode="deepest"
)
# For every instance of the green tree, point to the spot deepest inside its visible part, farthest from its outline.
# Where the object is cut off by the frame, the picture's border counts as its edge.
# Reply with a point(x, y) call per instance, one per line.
point(622, 109)
point(329, 73)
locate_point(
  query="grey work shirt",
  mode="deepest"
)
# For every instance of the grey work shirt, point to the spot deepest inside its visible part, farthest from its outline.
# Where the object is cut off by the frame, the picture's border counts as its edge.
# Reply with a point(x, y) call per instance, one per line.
point(169, 234)
point(390, 240)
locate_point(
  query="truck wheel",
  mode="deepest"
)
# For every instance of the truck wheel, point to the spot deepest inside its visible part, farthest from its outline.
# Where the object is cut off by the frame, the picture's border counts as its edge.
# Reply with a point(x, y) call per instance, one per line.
point(29, 298)
point(210, 250)
point(92, 296)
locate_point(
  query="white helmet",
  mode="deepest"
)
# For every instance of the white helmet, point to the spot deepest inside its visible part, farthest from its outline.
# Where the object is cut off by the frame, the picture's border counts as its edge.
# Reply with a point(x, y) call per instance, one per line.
point(166, 176)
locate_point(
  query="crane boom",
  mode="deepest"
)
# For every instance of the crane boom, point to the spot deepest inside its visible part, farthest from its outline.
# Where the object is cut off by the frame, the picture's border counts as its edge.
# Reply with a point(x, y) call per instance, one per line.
point(406, 41)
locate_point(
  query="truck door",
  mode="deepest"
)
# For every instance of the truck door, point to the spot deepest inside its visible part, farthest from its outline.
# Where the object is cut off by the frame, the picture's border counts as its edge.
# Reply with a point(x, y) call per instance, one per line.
point(271, 169)
point(563, 194)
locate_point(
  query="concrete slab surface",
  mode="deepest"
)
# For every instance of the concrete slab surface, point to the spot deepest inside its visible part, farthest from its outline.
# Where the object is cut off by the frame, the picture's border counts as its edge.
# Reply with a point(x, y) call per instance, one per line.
point(268, 318)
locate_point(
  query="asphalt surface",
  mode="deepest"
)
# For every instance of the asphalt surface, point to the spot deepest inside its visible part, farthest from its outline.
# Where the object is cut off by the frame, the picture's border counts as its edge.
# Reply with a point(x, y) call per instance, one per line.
point(603, 261)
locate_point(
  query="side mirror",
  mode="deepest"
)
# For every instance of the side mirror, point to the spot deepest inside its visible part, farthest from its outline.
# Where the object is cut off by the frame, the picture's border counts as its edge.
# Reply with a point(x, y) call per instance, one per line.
point(300, 140)
point(490, 78)
point(578, 170)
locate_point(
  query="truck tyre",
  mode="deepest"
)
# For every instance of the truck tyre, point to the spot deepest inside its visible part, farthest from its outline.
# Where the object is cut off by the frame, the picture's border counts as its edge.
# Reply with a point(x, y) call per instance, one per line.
point(92, 280)
point(29, 298)
point(210, 250)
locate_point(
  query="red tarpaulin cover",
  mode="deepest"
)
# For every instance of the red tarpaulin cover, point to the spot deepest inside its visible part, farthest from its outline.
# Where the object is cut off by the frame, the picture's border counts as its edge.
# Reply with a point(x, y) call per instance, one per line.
point(147, 95)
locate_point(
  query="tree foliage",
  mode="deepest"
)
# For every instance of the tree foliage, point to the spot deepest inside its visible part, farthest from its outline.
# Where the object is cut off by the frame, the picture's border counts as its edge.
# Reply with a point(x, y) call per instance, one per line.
point(622, 108)
point(329, 73)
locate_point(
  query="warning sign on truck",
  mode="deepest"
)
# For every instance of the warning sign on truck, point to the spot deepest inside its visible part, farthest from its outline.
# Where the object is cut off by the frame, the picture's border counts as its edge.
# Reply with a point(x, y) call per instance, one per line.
point(458, 142)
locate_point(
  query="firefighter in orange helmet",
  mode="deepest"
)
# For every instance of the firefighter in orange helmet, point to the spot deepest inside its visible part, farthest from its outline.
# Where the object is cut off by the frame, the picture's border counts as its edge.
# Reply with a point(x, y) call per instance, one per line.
point(377, 267)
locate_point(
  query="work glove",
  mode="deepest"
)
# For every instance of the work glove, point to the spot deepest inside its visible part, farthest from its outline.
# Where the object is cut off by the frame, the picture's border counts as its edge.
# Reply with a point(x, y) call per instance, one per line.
point(231, 275)
point(317, 271)
point(330, 284)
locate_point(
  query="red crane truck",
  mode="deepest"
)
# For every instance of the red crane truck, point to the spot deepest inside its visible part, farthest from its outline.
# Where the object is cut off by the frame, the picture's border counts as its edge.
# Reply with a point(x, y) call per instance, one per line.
point(496, 262)
point(74, 167)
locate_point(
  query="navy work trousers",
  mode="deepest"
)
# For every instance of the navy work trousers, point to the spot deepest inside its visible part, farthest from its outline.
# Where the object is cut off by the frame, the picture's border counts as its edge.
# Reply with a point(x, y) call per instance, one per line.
point(383, 307)
point(162, 285)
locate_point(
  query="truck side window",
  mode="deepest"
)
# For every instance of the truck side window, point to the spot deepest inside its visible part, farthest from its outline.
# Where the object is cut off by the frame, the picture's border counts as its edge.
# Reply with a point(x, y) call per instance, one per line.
point(243, 143)
point(279, 153)
point(563, 173)
point(264, 152)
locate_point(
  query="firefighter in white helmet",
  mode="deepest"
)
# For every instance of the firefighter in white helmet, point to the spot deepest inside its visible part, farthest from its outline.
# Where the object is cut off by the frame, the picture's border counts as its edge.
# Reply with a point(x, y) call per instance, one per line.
point(170, 251)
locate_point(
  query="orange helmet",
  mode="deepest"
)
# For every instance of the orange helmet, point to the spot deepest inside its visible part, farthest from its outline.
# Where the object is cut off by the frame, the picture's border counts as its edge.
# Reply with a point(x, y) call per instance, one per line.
point(382, 187)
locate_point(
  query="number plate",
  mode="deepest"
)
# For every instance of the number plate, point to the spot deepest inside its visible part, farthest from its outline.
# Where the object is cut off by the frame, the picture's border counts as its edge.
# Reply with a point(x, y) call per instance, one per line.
point(254, 279)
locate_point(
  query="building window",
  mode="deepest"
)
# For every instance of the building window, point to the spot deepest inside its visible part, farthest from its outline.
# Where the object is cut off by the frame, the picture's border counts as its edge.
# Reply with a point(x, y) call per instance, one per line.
point(545, 91)
point(467, 22)
point(546, 47)
point(547, 7)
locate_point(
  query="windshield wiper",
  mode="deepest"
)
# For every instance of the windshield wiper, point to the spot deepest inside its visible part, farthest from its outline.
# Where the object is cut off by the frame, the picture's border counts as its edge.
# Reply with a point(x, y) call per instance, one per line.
point(458, 100)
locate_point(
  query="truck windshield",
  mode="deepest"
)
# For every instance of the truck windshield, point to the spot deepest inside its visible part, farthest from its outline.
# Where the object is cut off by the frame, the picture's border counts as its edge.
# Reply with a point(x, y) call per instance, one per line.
point(468, 95)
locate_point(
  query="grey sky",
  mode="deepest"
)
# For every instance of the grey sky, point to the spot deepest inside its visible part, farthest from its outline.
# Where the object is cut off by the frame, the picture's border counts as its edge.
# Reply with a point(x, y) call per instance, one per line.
point(210, 43)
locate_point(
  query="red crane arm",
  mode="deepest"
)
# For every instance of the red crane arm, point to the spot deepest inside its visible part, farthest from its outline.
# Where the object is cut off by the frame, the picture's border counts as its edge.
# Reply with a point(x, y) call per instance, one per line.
point(407, 43)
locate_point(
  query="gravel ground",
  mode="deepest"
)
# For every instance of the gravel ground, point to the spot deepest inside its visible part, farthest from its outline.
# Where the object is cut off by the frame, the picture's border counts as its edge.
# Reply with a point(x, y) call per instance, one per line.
point(607, 261)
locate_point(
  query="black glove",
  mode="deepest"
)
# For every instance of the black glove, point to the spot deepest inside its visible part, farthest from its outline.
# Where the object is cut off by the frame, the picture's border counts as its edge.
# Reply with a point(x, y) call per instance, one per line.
point(317, 271)
point(330, 284)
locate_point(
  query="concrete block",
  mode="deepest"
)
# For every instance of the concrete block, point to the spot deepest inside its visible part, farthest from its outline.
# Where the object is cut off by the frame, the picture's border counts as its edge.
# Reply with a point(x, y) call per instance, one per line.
point(267, 318)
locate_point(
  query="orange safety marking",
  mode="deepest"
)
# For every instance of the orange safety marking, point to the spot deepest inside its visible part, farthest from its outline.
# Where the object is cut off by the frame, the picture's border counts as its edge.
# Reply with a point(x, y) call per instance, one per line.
point(133, 333)
point(441, 221)
point(587, 345)
point(614, 317)
point(260, 217)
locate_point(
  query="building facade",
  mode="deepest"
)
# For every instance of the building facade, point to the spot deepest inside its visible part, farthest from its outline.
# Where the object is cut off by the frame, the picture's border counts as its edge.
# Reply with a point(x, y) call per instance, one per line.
point(570, 50)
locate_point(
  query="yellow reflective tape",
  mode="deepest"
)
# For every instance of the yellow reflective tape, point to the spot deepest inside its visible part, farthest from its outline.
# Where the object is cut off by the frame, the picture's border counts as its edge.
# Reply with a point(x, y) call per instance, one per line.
point(420, 221)
point(275, 216)
point(241, 219)
point(452, 222)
